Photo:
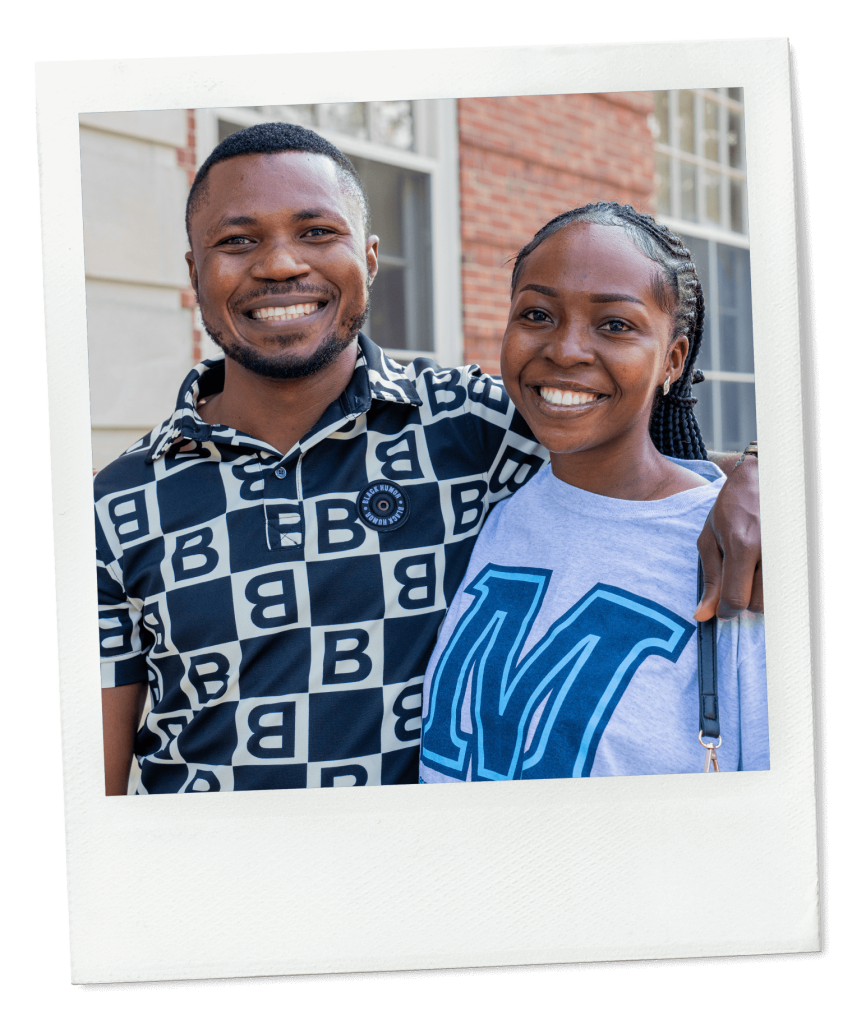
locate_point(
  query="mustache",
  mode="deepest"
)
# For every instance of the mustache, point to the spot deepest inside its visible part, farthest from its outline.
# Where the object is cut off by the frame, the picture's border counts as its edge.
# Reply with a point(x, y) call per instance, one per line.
point(279, 288)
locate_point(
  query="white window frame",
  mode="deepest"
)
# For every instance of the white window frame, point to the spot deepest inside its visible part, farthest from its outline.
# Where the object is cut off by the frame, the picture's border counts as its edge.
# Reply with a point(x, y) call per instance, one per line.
point(702, 228)
point(678, 156)
point(713, 372)
point(436, 154)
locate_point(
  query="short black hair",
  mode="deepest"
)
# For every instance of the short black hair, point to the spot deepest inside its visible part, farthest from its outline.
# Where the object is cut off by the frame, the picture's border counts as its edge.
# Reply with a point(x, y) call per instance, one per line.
point(276, 137)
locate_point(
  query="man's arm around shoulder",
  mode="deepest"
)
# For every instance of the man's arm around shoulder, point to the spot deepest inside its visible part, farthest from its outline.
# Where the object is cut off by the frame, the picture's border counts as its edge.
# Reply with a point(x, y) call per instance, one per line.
point(730, 543)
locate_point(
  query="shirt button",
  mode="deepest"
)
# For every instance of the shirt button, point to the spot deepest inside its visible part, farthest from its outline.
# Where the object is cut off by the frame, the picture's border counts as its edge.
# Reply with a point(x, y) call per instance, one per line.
point(280, 472)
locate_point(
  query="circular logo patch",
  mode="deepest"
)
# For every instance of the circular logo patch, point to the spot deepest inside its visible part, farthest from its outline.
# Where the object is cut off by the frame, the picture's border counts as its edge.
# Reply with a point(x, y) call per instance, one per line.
point(383, 506)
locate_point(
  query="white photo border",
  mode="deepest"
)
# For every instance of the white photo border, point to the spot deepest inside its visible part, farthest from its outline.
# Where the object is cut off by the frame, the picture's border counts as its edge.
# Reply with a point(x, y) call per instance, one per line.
point(404, 877)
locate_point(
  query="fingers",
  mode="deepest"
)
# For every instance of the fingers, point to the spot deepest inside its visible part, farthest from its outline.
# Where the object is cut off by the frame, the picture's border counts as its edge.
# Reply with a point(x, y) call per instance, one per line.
point(711, 560)
point(738, 580)
point(757, 602)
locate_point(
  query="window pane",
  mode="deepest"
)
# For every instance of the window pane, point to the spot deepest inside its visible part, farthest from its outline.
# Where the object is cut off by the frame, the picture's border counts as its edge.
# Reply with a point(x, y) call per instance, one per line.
point(739, 422)
point(711, 130)
point(736, 94)
point(713, 197)
point(735, 139)
point(736, 351)
point(301, 113)
point(738, 206)
point(688, 192)
point(348, 118)
point(386, 325)
point(226, 128)
point(391, 123)
point(686, 121)
point(663, 183)
point(704, 411)
point(401, 300)
point(660, 123)
point(700, 251)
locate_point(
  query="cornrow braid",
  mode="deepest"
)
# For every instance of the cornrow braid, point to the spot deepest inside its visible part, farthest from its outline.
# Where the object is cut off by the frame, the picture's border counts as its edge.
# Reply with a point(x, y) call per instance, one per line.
point(673, 427)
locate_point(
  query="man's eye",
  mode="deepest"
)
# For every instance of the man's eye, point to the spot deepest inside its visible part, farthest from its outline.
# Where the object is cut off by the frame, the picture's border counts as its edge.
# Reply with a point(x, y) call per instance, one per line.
point(236, 240)
point(536, 316)
point(318, 232)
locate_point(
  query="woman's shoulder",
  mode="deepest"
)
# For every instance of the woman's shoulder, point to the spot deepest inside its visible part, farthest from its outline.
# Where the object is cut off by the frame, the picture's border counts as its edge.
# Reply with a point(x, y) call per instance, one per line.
point(685, 478)
point(707, 472)
point(528, 495)
point(518, 512)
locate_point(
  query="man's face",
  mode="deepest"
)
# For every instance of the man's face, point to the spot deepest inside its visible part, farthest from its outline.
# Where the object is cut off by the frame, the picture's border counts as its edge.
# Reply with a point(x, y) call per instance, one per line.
point(280, 262)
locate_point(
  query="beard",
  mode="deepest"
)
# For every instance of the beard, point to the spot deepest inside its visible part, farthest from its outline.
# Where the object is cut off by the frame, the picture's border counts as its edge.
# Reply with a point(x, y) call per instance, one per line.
point(286, 365)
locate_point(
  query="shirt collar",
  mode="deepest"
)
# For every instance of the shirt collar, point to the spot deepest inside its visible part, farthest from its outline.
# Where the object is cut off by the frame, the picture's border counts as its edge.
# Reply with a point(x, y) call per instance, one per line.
point(375, 377)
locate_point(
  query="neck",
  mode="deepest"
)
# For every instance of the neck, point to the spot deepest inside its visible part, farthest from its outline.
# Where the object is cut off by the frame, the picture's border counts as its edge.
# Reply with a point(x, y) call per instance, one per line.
point(278, 412)
point(630, 468)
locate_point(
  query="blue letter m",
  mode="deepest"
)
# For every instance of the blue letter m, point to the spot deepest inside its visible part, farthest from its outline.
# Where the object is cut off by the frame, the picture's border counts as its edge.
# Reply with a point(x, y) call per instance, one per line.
point(541, 716)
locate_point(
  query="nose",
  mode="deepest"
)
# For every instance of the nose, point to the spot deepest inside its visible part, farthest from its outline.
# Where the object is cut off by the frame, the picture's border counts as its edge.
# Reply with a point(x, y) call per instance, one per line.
point(572, 345)
point(279, 261)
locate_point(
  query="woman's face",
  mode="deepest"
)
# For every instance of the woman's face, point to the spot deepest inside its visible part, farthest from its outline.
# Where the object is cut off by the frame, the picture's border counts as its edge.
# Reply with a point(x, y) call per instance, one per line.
point(587, 341)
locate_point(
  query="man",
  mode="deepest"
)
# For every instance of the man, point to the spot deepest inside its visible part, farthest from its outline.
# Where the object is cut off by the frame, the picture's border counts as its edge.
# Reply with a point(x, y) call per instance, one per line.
point(276, 558)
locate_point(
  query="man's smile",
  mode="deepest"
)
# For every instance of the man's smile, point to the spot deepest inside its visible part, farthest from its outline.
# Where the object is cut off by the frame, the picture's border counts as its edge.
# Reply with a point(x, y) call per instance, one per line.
point(281, 314)
point(276, 308)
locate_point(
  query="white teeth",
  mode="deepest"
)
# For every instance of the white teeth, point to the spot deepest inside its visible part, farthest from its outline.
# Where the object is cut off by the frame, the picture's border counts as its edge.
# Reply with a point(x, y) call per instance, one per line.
point(557, 397)
point(284, 312)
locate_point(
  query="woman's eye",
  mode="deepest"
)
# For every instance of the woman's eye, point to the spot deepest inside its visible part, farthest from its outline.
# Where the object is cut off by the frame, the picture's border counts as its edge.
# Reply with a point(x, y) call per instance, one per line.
point(536, 316)
point(617, 326)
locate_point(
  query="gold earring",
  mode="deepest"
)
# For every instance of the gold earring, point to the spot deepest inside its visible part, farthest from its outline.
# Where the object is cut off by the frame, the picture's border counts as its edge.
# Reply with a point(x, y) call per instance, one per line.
point(667, 385)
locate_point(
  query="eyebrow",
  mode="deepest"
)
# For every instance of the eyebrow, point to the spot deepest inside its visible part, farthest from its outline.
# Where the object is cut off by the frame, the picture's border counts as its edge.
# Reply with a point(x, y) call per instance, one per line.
point(313, 214)
point(604, 297)
point(542, 288)
point(243, 221)
point(234, 222)
point(600, 297)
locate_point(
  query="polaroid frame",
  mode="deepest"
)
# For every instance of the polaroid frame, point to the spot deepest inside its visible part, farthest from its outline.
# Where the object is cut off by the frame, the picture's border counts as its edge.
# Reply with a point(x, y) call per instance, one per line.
point(402, 877)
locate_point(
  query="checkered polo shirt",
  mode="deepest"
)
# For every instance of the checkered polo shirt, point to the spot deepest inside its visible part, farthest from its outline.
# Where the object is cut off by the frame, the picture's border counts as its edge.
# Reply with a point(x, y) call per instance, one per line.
point(282, 608)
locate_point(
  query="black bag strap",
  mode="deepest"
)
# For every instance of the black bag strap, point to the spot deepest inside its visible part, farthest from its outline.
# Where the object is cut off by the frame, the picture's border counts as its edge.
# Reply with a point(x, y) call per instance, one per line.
point(708, 679)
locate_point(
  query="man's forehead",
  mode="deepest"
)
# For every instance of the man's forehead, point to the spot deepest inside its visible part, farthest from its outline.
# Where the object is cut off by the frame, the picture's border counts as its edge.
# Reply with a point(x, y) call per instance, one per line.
point(277, 175)
point(269, 182)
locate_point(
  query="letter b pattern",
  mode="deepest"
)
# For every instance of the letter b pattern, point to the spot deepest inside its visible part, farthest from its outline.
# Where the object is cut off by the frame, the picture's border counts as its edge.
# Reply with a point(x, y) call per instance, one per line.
point(284, 641)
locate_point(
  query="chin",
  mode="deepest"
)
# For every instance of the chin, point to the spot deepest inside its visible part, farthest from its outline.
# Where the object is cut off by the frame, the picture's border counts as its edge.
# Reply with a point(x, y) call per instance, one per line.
point(290, 364)
point(285, 364)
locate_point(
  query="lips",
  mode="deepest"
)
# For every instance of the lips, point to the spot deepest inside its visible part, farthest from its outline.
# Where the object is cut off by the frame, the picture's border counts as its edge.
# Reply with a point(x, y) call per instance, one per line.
point(282, 314)
point(273, 312)
point(276, 307)
point(561, 397)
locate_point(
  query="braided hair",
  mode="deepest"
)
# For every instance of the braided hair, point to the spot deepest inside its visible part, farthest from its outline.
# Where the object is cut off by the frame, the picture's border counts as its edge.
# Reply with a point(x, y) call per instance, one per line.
point(673, 427)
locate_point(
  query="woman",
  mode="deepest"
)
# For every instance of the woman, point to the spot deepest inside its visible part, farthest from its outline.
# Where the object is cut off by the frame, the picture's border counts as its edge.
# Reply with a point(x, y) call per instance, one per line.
point(571, 652)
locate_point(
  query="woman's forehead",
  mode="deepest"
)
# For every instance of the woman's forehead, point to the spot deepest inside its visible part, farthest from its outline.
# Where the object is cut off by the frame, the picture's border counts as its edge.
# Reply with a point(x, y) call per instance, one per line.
point(583, 256)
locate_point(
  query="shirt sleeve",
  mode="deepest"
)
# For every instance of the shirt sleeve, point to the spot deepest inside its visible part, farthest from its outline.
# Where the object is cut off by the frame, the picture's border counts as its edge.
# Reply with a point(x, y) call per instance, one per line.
point(752, 676)
point(508, 449)
point(122, 661)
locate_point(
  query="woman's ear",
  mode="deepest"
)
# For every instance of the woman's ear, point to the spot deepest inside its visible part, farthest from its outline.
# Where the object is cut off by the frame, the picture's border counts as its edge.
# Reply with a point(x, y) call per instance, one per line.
point(676, 358)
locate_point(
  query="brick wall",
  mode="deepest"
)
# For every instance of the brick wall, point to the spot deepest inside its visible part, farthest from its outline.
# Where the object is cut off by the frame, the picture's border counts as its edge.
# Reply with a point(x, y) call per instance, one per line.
point(523, 160)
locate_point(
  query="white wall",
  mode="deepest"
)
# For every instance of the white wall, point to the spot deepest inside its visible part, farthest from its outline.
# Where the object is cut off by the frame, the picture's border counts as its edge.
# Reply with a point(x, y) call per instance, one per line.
point(139, 335)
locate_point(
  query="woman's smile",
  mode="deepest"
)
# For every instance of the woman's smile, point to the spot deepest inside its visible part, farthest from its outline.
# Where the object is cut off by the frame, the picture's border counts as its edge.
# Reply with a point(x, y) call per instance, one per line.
point(562, 398)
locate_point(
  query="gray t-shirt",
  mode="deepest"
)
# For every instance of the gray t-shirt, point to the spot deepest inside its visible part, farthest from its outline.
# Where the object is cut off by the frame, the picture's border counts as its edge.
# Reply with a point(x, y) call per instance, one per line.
point(570, 647)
